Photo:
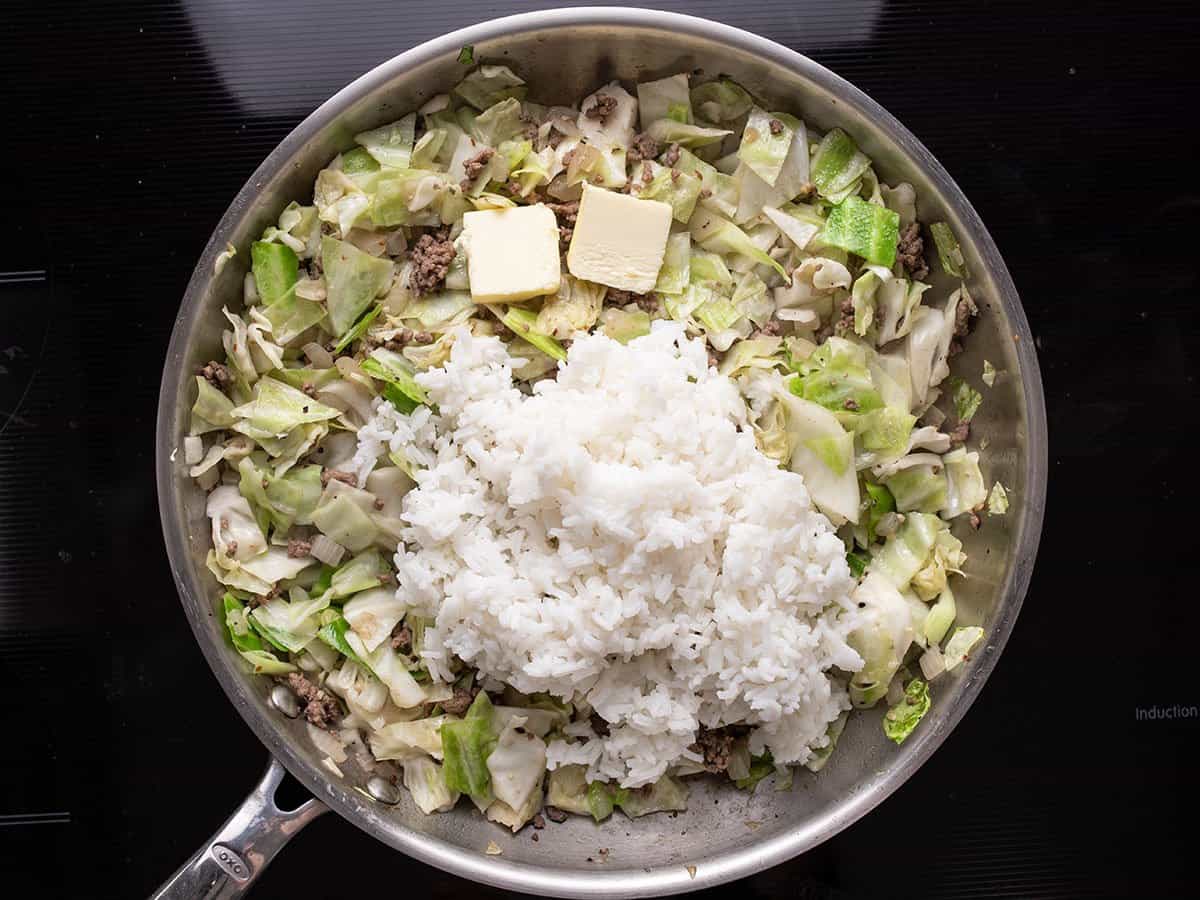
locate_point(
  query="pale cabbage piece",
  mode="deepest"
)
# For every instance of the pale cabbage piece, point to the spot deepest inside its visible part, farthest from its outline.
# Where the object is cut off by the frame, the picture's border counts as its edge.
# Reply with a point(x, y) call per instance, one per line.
point(722, 100)
point(908, 550)
point(902, 200)
point(823, 452)
point(373, 614)
point(720, 235)
point(567, 789)
point(960, 645)
point(940, 617)
point(965, 489)
point(274, 565)
point(765, 143)
point(361, 690)
point(517, 764)
point(997, 504)
point(390, 668)
point(667, 98)
point(615, 129)
point(423, 780)
point(235, 532)
point(488, 85)
point(276, 409)
point(576, 307)
point(353, 280)
point(800, 231)
point(500, 122)
point(919, 483)
point(882, 637)
point(344, 514)
point(212, 410)
point(390, 145)
point(403, 740)
point(292, 621)
point(895, 301)
point(230, 573)
point(675, 273)
point(668, 131)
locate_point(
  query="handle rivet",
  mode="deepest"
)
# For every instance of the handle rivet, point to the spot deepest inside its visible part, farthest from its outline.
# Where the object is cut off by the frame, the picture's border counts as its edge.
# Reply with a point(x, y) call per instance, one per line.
point(285, 701)
point(383, 790)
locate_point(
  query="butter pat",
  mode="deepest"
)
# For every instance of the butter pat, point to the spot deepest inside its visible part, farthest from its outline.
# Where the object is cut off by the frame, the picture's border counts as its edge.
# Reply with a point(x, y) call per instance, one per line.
point(512, 254)
point(619, 240)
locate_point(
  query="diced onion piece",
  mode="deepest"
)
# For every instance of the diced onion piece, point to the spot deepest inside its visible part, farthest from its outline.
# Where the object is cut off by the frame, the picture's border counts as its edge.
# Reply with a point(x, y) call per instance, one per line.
point(932, 663)
point(193, 449)
point(318, 355)
point(327, 550)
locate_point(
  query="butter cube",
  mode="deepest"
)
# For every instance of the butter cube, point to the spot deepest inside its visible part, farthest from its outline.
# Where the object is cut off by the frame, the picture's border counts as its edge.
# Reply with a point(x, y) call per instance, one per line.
point(619, 240)
point(512, 254)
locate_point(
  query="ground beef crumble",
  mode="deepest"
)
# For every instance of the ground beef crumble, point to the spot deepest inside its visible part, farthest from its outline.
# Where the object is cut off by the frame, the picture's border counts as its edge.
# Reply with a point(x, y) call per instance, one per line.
point(431, 256)
point(298, 548)
point(320, 708)
point(963, 313)
point(603, 108)
point(461, 701)
point(554, 814)
point(475, 165)
point(402, 638)
point(960, 433)
point(616, 297)
point(771, 328)
point(643, 147)
point(717, 746)
point(217, 375)
point(406, 336)
point(328, 475)
point(911, 251)
point(776, 126)
point(671, 156)
point(566, 213)
point(845, 322)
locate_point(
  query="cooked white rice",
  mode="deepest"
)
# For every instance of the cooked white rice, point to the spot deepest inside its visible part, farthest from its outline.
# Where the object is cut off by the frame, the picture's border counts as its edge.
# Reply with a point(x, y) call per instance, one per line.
point(617, 537)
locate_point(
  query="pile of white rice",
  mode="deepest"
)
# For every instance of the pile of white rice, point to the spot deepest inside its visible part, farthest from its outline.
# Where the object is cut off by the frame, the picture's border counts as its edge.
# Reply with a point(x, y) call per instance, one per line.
point(617, 538)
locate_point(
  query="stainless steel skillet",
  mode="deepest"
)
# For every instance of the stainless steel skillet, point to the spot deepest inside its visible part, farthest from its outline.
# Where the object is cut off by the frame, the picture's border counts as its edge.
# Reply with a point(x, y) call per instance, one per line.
point(563, 55)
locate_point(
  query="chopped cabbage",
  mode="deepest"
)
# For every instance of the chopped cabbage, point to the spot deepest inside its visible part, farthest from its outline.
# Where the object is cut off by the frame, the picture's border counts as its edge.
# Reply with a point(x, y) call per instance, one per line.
point(390, 145)
point(488, 85)
point(424, 780)
point(670, 131)
point(961, 643)
point(881, 638)
point(837, 166)
point(466, 744)
point(353, 280)
point(721, 101)
point(823, 452)
point(865, 229)
point(576, 307)
point(675, 273)
point(997, 502)
point(667, 98)
point(902, 718)
point(965, 489)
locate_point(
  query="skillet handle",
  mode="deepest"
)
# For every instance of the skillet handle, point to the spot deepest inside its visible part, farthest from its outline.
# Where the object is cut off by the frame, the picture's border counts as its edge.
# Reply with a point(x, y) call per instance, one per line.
point(233, 858)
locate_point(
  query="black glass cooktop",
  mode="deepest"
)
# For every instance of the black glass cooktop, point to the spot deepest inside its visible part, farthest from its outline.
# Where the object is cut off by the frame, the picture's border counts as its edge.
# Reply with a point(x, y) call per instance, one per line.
point(128, 126)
